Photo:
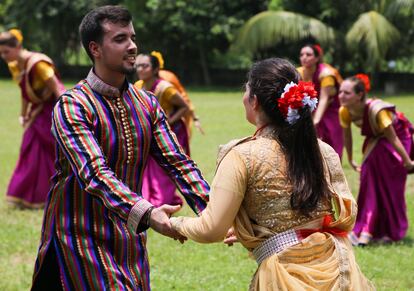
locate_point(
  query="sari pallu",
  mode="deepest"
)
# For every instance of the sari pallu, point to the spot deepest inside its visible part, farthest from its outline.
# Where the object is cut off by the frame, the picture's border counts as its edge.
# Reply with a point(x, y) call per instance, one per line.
point(329, 130)
point(381, 201)
point(29, 183)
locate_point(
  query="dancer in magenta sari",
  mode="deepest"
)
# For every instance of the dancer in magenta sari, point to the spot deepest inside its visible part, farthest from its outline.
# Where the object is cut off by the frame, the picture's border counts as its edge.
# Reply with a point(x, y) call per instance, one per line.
point(326, 80)
point(36, 76)
point(157, 186)
point(388, 143)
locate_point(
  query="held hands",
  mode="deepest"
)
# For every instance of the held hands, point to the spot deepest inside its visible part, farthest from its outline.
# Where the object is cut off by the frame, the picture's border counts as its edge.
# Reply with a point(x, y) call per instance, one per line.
point(160, 221)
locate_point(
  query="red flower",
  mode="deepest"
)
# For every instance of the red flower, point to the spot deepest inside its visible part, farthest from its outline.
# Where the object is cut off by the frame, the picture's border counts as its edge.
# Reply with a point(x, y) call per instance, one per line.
point(365, 79)
point(293, 97)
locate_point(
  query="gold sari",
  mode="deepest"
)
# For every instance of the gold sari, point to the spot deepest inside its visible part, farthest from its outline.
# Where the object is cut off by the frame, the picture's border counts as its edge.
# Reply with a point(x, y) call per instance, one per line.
point(256, 201)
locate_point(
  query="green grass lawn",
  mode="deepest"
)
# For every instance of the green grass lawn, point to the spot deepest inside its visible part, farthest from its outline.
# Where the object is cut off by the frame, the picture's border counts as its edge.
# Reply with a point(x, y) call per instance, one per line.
point(189, 266)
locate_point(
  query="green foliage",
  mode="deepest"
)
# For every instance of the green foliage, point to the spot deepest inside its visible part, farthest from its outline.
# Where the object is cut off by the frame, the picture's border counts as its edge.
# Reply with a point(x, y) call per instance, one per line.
point(373, 34)
point(270, 27)
point(374, 31)
point(187, 32)
point(197, 35)
point(50, 26)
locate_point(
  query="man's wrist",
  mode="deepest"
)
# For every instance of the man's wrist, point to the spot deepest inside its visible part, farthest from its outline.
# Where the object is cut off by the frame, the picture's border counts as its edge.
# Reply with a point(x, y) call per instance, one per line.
point(137, 213)
point(145, 221)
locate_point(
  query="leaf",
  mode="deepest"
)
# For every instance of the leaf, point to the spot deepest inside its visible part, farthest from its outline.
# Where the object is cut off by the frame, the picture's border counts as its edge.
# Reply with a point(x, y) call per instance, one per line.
point(268, 28)
point(373, 33)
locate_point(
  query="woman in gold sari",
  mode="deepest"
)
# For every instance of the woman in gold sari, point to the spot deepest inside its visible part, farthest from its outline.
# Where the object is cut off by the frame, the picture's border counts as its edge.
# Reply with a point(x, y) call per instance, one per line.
point(283, 191)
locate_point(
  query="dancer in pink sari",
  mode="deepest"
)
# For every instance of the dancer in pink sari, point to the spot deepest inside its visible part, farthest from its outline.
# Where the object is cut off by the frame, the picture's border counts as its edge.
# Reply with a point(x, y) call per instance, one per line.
point(157, 186)
point(326, 80)
point(387, 147)
point(36, 76)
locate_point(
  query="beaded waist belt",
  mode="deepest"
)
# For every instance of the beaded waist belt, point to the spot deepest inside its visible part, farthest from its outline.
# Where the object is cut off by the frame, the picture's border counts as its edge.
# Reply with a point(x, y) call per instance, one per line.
point(275, 244)
point(278, 242)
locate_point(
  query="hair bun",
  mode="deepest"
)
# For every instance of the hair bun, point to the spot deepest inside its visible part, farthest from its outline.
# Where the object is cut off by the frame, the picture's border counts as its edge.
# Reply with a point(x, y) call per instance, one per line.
point(365, 79)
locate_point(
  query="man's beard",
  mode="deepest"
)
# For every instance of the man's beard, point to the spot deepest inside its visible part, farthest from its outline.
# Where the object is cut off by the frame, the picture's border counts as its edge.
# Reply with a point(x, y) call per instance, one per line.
point(128, 71)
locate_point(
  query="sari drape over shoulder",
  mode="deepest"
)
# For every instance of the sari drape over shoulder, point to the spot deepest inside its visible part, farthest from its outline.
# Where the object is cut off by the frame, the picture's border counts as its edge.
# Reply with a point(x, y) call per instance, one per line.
point(251, 192)
point(173, 79)
point(29, 184)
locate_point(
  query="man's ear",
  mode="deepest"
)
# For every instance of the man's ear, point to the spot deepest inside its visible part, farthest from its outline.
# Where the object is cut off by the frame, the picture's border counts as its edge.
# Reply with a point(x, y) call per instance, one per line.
point(95, 49)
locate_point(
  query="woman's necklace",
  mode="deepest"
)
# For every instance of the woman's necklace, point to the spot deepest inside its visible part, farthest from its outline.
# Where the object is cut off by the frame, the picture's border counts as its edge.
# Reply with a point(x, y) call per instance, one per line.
point(257, 132)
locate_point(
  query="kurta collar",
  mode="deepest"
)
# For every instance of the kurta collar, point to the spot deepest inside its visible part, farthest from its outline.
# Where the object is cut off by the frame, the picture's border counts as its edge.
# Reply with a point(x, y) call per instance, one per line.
point(103, 88)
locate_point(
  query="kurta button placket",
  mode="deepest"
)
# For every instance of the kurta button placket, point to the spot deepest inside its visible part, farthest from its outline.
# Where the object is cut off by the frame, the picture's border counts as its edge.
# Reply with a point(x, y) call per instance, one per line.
point(126, 129)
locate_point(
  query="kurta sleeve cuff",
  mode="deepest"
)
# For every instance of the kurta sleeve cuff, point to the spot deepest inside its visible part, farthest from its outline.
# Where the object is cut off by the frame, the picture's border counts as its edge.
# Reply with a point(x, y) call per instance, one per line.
point(137, 212)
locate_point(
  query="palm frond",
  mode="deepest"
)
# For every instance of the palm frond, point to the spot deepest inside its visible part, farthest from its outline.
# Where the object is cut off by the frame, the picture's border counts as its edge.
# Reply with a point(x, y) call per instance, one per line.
point(394, 8)
point(373, 33)
point(270, 27)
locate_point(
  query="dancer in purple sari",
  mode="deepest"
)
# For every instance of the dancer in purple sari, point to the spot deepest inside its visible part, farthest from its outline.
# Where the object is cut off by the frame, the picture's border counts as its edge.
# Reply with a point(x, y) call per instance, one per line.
point(326, 80)
point(157, 186)
point(387, 147)
point(36, 76)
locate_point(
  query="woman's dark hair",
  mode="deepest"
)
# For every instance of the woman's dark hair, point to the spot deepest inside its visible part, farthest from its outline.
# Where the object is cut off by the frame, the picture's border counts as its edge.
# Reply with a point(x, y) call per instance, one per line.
point(359, 86)
point(155, 64)
point(298, 141)
point(91, 28)
point(8, 39)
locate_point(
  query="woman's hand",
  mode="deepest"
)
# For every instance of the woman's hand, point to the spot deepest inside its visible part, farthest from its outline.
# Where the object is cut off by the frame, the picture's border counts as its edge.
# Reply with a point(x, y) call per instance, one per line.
point(230, 237)
point(22, 120)
point(355, 166)
point(197, 125)
point(409, 166)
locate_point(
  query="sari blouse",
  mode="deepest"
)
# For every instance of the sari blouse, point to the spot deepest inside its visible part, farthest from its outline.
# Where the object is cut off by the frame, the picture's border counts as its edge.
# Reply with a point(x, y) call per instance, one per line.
point(384, 118)
point(251, 192)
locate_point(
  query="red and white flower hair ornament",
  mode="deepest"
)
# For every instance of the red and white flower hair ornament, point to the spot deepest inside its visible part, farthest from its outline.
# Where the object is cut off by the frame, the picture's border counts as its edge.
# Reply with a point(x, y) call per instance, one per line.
point(365, 80)
point(297, 96)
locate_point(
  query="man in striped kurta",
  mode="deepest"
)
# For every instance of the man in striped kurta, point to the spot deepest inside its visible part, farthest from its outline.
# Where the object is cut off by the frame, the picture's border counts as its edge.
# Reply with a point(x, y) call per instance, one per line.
point(93, 235)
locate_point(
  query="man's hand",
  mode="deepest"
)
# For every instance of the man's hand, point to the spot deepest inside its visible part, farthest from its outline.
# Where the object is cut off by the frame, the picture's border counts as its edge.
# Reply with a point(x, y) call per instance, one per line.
point(160, 221)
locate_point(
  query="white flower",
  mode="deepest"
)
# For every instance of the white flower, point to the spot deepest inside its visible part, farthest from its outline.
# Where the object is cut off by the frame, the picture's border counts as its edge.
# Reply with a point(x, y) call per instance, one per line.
point(287, 87)
point(311, 102)
point(292, 116)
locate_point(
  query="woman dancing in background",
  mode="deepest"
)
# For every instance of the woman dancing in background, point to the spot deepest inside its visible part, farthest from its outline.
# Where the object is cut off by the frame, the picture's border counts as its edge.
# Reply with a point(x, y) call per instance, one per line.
point(40, 86)
point(157, 186)
point(278, 187)
point(190, 117)
point(326, 80)
point(388, 143)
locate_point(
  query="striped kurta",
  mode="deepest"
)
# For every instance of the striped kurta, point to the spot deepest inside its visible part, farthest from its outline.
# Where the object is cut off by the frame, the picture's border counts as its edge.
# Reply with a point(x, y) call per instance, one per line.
point(104, 137)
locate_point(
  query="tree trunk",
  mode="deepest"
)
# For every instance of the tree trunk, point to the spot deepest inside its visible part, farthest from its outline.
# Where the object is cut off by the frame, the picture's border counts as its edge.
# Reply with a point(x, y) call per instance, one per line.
point(204, 67)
